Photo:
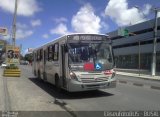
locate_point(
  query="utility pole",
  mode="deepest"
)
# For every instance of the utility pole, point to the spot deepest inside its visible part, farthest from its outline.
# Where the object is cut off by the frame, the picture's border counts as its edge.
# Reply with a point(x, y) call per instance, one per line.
point(14, 25)
point(139, 57)
point(153, 65)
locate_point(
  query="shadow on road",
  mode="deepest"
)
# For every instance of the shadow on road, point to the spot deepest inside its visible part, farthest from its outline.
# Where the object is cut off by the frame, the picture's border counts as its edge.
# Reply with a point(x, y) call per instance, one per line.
point(53, 91)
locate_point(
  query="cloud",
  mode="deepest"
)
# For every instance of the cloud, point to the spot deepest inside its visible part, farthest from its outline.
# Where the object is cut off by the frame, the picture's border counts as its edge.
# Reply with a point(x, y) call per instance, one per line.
point(60, 20)
point(147, 9)
point(25, 51)
point(61, 29)
point(21, 26)
point(46, 36)
point(23, 31)
point(25, 7)
point(85, 21)
point(159, 14)
point(21, 34)
point(36, 22)
point(122, 15)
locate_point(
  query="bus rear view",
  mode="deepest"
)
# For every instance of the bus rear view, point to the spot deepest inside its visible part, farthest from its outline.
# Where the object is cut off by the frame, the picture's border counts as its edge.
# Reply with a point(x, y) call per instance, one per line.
point(90, 62)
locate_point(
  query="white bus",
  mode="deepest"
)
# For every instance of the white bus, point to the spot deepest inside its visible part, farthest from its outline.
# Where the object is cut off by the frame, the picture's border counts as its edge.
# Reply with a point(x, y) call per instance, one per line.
point(76, 62)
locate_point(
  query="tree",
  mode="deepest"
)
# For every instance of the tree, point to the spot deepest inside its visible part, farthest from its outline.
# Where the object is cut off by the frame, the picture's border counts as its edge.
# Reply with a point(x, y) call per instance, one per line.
point(28, 57)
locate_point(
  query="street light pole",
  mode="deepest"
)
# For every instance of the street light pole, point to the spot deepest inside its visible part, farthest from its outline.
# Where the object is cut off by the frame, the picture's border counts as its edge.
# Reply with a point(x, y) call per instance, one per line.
point(153, 67)
point(14, 25)
point(139, 57)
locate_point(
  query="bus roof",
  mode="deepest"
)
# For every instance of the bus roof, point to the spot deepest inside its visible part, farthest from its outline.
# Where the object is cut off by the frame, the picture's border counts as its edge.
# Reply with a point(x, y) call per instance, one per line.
point(61, 37)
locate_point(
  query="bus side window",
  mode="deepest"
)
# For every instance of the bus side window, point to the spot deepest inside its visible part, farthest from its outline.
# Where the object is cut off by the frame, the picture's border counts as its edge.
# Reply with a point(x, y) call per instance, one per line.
point(55, 49)
point(41, 54)
point(46, 56)
point(37, 55)
point(50, 53)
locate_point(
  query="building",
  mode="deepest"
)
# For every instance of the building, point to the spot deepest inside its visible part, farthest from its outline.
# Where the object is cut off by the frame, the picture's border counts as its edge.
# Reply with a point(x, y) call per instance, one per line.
point(135, 51)
point(2, 50)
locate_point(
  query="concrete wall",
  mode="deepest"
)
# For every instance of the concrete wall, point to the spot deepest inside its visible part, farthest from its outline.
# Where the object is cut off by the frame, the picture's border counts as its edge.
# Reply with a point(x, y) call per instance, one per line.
point(137, 27)
point(147, 48)
point(134, 49)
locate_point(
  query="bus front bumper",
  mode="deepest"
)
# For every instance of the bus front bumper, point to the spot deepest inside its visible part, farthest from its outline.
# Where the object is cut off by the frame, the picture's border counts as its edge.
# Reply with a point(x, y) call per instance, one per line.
point(74, 86)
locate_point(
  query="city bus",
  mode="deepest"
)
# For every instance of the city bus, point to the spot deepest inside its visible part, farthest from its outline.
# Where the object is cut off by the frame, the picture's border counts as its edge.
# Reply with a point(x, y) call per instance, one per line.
point(76, 62)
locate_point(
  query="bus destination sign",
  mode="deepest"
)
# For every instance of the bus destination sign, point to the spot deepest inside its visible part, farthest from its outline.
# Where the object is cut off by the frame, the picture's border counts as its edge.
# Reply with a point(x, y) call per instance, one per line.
point(86, 37)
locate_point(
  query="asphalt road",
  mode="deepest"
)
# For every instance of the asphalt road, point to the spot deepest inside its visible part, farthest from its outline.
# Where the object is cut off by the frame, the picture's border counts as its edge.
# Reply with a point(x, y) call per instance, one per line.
point(136, 80)
point(30, 94)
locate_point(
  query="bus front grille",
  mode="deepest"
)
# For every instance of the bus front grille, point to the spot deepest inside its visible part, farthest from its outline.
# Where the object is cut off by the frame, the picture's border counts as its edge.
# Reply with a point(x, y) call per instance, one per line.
point(90, 80)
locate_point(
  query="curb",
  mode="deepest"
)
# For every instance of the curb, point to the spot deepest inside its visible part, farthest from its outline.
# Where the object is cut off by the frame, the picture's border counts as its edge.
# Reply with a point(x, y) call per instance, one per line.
point(65, 106)
point(145, 78)
point(139, 84)
point(155, 87)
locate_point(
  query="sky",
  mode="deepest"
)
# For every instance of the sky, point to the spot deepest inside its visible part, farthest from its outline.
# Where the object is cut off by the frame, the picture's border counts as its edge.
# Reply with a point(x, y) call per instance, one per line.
point(40, 21)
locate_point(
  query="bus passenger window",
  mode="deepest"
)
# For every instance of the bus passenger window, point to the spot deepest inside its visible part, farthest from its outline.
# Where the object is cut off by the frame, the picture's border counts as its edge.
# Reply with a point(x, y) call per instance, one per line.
point(49, 53)
point(46, 56)
point(55, 52)
point(37, 55)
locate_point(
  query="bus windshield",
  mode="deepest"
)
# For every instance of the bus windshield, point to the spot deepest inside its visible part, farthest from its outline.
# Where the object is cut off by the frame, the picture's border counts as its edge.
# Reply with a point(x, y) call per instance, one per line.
point(90, 56)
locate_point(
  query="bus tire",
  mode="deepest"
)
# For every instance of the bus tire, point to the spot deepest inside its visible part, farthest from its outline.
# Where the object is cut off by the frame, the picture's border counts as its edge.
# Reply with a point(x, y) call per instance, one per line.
point(44, 77)
point(57, 83)
point(39, 75)
point(35, 73)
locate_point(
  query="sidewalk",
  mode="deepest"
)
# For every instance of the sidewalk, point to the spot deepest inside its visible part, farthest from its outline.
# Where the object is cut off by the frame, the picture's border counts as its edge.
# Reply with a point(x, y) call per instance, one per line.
point(144, 74)
point(25, 93)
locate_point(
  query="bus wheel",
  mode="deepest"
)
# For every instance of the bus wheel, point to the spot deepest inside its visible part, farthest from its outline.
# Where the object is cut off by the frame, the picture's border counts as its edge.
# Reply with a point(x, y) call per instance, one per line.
point(35, 72)
point(57, 84)
point(44, 77)
point(39, 75)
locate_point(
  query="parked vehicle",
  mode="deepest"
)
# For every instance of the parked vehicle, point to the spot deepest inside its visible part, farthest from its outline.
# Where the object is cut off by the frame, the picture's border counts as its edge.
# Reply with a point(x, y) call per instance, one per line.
point(24, 62)
point(3, 65)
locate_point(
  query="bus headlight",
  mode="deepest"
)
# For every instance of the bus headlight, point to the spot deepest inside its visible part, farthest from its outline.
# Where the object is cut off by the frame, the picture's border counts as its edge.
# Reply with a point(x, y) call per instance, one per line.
point(73, 76)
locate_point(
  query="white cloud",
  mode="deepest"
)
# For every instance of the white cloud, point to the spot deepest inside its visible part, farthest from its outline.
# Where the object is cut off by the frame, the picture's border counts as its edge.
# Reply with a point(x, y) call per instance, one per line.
point(25, 51)
point(158, 14)
point(36, 22)
point(21, 34)
point(46, 36)
point(85, 21)
point(118, 11)
point(147, 9)
point(60, 20)
point(21, 26)
point(23, 31)
point(61, 29)
point(25, 7)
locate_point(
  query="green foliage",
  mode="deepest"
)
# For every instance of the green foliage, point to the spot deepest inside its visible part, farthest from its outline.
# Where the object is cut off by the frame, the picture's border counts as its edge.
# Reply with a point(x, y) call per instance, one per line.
point(12, 66)
point(28, 57)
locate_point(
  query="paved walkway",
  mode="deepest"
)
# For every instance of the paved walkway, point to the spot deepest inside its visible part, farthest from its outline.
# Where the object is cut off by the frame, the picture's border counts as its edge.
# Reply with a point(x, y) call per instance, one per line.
point(132, 73)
